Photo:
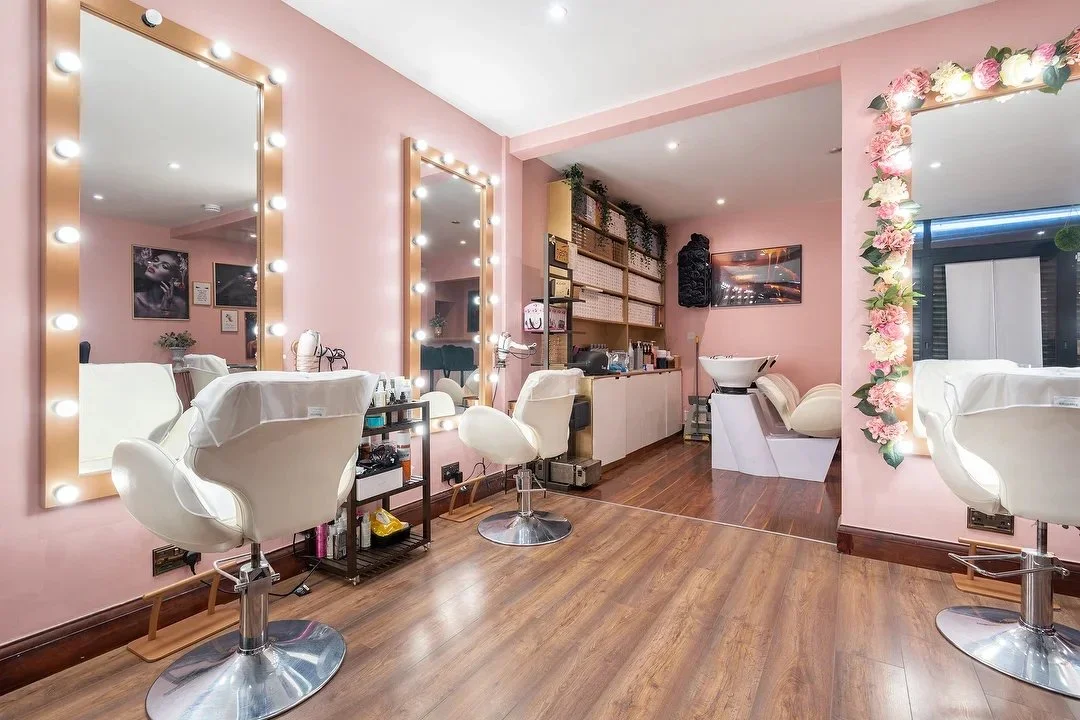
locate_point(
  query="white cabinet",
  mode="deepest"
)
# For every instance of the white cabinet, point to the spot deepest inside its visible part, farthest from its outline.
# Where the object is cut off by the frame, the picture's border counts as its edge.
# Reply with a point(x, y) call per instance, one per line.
point(646, 416)
point(609, 419)
point(675, 403)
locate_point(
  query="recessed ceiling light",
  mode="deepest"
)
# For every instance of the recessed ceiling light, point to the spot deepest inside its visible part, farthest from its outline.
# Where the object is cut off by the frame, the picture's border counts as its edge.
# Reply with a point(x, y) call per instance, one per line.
point(252, 235)
point(673, 146)
point(462, 242)
point(935, 165)
point(98, 197)
point(557, 12)
point(720, 201)
point(1041, 232)
point(174, 166)
point(836, 150)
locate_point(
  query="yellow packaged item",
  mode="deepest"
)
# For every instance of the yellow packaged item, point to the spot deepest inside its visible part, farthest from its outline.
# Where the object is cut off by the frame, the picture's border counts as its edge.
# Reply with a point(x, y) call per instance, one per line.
point(384, 524)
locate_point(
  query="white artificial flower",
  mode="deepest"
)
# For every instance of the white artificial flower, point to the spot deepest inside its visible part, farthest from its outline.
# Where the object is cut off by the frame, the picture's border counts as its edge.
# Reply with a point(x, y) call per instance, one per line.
point(883, 349)
point(950, 80)
point(1016, 70)
point(892, 190)
point(894, 260)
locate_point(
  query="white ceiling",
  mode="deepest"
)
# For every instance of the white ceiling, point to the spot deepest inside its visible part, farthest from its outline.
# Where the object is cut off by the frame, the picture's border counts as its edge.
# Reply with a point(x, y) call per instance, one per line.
point(996, 157)
point(446, 218)
point(510, 66)
point(771, 152)
point(145, 106)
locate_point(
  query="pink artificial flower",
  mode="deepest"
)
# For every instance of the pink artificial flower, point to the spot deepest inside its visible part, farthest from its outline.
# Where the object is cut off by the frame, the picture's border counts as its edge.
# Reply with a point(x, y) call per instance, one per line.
point(986, 74)
point(884, 396)
point(884, 434)
point(890, 331)
point(894, 240)
point(895, 314)
point(880, 286)
point(879, 365)
point(887, 211)
point(888, 315)
point(884, 144)
point(1043, 55)
point(877, 317)
point(913, 84)
point(1073, 43)
point(896, 164)
point(889, 119)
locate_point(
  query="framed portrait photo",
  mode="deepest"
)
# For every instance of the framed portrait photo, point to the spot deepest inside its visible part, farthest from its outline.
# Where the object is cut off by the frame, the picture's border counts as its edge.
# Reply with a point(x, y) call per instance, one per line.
point(235, 286)
point(230, 321)
point(160, 288)
point(200, 293)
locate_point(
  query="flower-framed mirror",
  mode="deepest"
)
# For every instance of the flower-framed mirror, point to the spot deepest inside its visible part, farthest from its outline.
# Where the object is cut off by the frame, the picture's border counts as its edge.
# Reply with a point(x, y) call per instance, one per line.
point(974, 257)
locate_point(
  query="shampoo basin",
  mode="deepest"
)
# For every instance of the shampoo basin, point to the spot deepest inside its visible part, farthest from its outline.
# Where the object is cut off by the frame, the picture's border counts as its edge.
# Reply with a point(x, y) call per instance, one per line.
point(734, 373)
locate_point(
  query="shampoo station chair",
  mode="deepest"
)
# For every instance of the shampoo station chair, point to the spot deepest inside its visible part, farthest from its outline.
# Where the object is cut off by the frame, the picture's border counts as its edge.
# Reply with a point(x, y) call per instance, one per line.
point(1007, 443)
point(539, 429)
point(736, 374)
point(268, 454)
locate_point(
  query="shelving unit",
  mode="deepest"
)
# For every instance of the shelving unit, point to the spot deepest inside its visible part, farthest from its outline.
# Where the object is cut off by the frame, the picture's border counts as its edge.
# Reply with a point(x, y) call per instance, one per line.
point(614, 329)
point(361, 563)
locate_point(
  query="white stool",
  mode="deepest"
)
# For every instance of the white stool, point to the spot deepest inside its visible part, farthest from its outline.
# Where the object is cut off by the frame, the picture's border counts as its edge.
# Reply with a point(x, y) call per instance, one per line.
point(268, 454)
point(539, 429)
point(1009, 443)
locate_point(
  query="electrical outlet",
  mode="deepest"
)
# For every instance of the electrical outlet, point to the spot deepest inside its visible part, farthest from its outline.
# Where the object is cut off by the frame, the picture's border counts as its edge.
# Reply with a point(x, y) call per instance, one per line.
point(168, 558)
point(450, 473)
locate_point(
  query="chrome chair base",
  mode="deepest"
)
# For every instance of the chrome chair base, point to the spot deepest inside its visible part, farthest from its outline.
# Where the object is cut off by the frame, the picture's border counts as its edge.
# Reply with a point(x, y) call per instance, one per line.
point(536, 528)
point(216, 681)
point(997, 639)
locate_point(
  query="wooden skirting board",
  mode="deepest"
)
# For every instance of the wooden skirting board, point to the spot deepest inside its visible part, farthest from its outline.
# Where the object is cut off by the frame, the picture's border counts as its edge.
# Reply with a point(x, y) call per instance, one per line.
point(929, 554)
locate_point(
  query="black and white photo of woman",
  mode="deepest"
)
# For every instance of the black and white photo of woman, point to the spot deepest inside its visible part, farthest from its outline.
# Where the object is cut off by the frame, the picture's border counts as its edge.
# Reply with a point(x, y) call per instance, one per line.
point(161, 283)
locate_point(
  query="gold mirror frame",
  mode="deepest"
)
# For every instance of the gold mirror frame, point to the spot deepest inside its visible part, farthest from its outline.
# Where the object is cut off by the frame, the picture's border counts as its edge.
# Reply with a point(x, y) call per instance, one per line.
point(934, 101)
point(60, 188)
point(415, 152)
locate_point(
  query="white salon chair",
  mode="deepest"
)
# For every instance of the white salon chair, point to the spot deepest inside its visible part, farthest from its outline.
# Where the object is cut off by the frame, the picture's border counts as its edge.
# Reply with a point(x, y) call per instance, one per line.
point(451, 389)
point(1008, 443)
point(268, 454)
point(816, 414)
point(539, 429)
point(204, 369)
point(928, 380)
point(441, 408)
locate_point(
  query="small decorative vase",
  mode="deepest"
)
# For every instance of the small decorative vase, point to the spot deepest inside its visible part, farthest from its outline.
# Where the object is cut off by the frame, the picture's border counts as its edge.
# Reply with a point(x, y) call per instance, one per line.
point(438, 330)
point(178, 354)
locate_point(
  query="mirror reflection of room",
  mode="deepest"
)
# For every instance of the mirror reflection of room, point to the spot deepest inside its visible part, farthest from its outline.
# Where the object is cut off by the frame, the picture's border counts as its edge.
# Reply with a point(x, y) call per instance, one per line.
point(450, 267)
point(993, 258)
point(169, 253)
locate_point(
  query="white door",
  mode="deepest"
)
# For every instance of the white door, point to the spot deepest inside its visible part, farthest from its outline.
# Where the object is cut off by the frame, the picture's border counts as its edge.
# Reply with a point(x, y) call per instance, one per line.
point(995, 310)
point(609, 418)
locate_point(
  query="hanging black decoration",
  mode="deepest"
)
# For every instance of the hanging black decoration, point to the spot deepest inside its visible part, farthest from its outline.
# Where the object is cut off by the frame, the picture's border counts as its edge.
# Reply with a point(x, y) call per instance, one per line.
point(695, 273)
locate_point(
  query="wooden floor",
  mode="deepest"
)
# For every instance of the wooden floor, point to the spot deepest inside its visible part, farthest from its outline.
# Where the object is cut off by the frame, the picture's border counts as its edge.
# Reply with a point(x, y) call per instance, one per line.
point(677, 477)
point(636, 615)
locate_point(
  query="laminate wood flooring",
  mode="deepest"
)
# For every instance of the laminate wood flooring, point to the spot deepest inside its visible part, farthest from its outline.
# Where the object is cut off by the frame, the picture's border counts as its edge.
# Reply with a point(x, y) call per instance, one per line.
point(637, 615)
point(677, 477)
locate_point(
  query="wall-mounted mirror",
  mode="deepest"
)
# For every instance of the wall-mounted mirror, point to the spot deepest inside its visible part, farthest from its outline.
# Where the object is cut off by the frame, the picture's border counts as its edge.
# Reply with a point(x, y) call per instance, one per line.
point(998, 179)
point(162, 225)
point(448, 279)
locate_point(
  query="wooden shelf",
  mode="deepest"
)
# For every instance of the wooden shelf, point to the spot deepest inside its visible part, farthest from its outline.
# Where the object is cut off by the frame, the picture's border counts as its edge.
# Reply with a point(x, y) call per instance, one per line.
point(599, 322)
point(594, 288)
point(599, 258)
point(646, 327)
point(643, 300)
point(646, 275)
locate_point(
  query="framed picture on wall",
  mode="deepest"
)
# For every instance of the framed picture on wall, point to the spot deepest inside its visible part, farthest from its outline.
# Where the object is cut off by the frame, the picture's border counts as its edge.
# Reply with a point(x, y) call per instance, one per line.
point(765, 276)
point(251, 335)
point(235, 286)
point(200, 293)
point(230, 321)
point(160, 289)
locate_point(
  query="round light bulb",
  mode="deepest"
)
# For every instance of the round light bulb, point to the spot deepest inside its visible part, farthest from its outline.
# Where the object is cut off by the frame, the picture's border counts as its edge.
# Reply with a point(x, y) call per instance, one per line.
point(277, 329)
point(276, 140)
point(476, 262)
point(152, 18)
point(420, 193)
point(174, 166)
point(673, 146)
point(419, 335)
point(493, 299)
point(419, 381)
point(98, 196)
point(420, 145)
point(67, 235)
point(278, 76)
point(420, 287)
point(493, 377)
point(418, 431)
point(277, 266)
point(255, 207)
point(476, 223)
point(66, 408)
point(495, 180)
point(476, 339)
point(66, 494)
point(720, 201)
point(472, 170)
point(476, 300)
point(277, 202)
point(475, 377)
point(67, 148)
point(221, 50)
point(447, 424)
point(448, 158)
point(493, 260)
point(557, 12)
point(420, 240)
point(495, 220)
point(67, 62)
point(65, 321)
point(255, 269)
point(493, 338)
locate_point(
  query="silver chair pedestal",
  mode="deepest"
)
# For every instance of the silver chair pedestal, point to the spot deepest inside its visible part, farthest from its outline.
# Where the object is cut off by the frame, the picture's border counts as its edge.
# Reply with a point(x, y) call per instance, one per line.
point(257, 672)
point(1027, 645)
point(525, 526)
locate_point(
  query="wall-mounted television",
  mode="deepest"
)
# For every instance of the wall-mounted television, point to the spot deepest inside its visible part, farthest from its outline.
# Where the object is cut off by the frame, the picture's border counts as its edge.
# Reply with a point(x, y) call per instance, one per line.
point(766, 276)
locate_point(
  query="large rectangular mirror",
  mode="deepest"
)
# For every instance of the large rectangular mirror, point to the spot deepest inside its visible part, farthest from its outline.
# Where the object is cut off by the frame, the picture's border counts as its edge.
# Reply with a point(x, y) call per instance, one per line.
point(161, 216)
point(998, 180)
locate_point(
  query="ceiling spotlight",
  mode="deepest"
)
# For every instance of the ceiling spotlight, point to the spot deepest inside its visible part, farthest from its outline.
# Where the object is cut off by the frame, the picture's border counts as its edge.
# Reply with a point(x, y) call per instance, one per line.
point(1041, 232)
point(252, 235)
point(67, 235)
point(66, 494)
point(420, 193)
point(277, 202)
point(67, 148)
point(65, 321)
point(98, 196)
point(448, 158)
point(152, 18)
point(935, 165)
point(720, 201)
point(476, 223)
point(278, 76)
point(420, 145)
point(67, 62)
point(277, 329)
point(673, 146)
point(276, 140)
point(174, 166)
point(277, 266)
point(557, 12)
point(462, 242)
point(420, 240)
point(221, 51)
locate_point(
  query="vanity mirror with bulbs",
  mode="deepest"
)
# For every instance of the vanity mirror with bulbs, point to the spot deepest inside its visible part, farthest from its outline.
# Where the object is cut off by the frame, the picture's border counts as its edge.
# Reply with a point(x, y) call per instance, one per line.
point(449, 265)
point(162, 214)
point(996, 239)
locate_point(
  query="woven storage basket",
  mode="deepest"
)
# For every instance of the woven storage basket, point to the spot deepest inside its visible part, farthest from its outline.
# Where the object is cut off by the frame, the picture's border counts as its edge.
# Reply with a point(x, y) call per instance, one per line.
point(618, 225)
point(644, 264)
point(598, 274)
point(645, 289)
point(599, 306)
point(557, 349)
point(642, 313)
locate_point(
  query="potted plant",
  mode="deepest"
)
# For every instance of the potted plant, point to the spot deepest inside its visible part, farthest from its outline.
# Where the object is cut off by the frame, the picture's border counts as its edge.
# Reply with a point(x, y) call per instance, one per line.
point(575, 176)
point(438, 322)
point(177, 343)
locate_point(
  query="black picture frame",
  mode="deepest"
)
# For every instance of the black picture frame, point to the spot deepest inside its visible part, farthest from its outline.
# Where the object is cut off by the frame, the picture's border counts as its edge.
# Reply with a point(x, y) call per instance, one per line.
point(757, 277)
point(235, 286)
point(160, 285)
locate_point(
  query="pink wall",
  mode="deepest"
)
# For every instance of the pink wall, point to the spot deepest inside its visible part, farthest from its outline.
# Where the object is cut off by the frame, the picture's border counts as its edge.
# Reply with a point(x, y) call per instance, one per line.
point(806, 336)
point(105, 293)
point(342, 231)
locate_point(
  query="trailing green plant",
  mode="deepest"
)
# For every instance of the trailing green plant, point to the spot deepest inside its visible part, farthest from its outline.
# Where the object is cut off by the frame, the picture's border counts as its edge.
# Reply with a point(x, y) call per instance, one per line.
point(576, 177)
point(642, 218)
point(633, 231)
point(603, 204)
point(661, 242)
point(1067, 238)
